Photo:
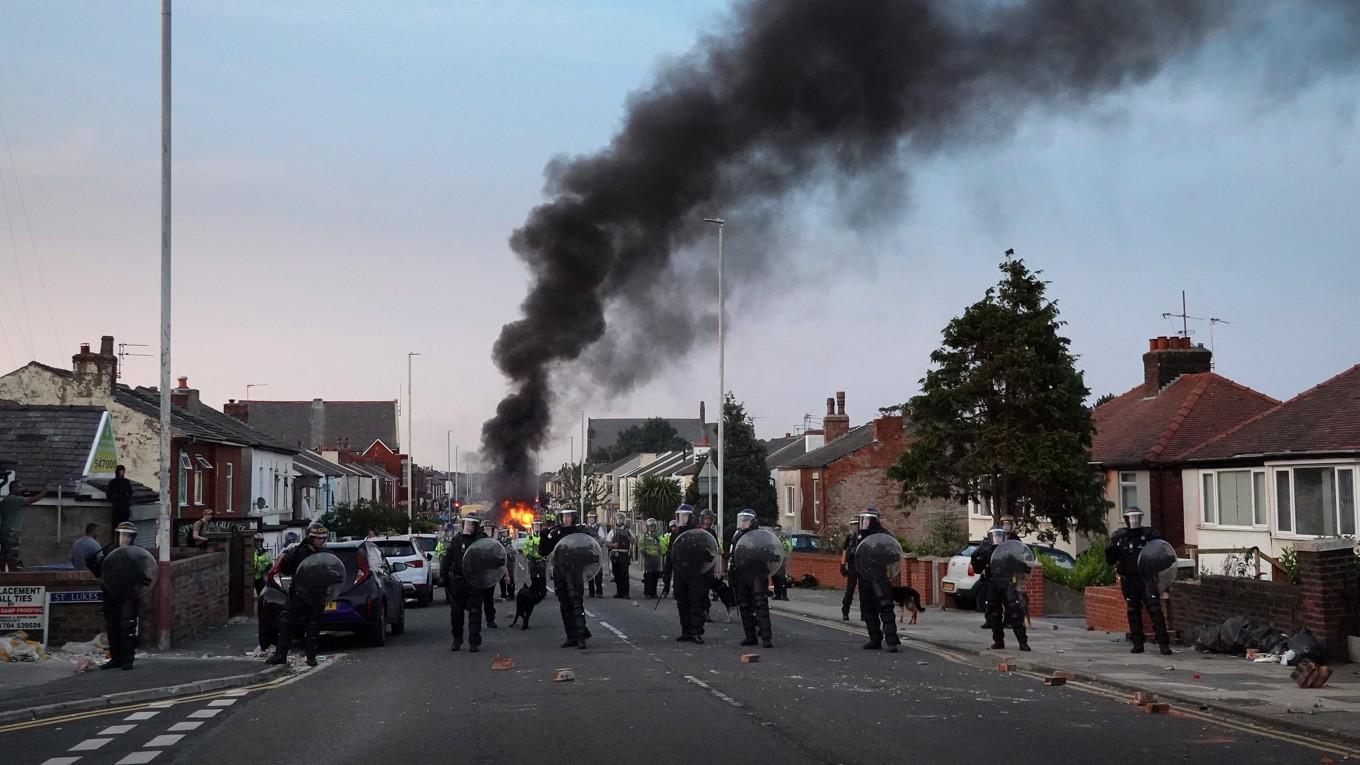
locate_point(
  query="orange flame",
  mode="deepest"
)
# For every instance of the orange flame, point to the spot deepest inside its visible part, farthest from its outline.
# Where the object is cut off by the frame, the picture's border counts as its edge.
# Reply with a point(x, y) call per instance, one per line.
point(519, 514)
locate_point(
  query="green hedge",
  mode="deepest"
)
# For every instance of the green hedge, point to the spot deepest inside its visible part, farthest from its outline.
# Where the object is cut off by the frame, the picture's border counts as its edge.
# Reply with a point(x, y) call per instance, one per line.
point(1090, 569)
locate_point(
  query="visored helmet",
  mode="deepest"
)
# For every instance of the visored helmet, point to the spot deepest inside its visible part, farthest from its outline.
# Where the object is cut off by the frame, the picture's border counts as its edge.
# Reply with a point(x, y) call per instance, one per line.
point(708, 518)
point(868, 519)
point(318, 531)
point(590, 518)
point(567, 516)
point(683, 515)
point(470, 524)
point(1133, 518)
point(1008, 523)
point(746, 518)
point(127, 528)
point(651, 524)
point(536, 527)
point(996, 535)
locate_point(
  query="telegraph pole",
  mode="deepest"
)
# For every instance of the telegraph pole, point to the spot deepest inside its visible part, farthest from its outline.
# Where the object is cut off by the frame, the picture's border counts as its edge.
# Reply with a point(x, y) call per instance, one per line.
point(165, 592)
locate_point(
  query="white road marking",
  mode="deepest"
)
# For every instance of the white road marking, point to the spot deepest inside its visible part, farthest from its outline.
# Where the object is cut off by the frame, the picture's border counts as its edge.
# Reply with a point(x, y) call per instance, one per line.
point(60, 761)
point(204, 714)
point(161, 705)
point(222, 703)
point(614, 630)
point(138, 758)
point(237, 692)
point(141, 716)
point(588, 613)
point(719, 694)
point(167, 740)
point(89, 745)
point(184, 727)
point(117, 730)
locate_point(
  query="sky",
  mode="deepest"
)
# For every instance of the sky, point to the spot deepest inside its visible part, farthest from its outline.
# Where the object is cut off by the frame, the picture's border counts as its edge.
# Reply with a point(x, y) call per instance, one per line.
point(347, 175)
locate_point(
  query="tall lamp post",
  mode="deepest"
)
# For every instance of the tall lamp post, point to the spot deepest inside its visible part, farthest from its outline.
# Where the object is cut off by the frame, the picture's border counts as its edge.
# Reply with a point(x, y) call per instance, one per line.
point(164, 593)
point(722, 386)
point(410, 450)
point(584, 452)
point(448, 469)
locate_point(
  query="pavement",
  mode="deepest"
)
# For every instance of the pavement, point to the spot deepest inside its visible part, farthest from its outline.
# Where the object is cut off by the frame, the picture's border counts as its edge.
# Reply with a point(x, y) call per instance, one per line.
point(1262, 692)
point(637, 695)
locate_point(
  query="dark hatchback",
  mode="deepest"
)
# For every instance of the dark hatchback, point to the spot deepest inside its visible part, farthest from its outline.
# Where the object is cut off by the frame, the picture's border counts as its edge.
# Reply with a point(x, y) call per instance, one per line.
point(371, 605)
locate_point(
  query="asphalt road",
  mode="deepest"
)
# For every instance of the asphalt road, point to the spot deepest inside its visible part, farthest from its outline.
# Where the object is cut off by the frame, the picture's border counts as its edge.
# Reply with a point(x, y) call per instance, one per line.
point(639, 696)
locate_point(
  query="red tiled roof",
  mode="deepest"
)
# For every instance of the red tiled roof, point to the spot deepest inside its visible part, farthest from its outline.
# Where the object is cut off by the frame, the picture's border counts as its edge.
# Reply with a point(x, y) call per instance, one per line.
point(1322, 419)
point(1134, 429)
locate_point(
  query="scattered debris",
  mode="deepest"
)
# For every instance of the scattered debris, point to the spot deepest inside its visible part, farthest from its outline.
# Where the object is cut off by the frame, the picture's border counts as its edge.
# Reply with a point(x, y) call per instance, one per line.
point(1160, 708)
point(1195, 676)
point(1309, 674)
point(1145, 697)
point(1055, 681)
point(563, 675)
point(1065, 675)
point(1005, 666)
point(502, 662)
point(17, 647)
point(750, 658)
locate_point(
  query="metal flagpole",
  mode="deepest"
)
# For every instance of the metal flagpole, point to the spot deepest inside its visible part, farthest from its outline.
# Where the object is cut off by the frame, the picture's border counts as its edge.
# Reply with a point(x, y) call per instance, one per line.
point(164, 593)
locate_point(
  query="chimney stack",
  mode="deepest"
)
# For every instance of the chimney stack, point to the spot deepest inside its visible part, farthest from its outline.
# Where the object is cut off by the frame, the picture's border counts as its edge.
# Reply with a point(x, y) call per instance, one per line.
point(97, 370)
point(837, 422)
point(237, 409)
point(184, 397)
point(1170, 357)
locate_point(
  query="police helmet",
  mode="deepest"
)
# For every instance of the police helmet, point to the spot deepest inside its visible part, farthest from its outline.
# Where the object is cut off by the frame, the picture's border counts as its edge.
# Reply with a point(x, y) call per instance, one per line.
point(470, 523)
point(996, 535)
point(868, 518)
point(568, 516)
point(317, 530)
point(708, 517)
point(745, 518)
point(1133, 518)
point(126, 528)
point(683, 515)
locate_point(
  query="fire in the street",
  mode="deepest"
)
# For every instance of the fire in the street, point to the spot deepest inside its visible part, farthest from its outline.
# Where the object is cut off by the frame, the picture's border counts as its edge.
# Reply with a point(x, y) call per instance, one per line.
point(518, 514)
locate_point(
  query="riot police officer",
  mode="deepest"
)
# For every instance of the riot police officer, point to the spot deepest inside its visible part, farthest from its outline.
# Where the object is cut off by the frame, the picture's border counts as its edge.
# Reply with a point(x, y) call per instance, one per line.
point(691, 592)
point(570, 586)
point(1122, 550)
point(120, 614)
point(751, 587)
point(489, 594)
point(507, 582)
point(666, 572)
point(875, 592)
point(848, 569)
point(620, 544)
point(1001, 598)
point(465, 601)
point(592, 527)
point(708, 521)
point(650, 548)
point(304, 608)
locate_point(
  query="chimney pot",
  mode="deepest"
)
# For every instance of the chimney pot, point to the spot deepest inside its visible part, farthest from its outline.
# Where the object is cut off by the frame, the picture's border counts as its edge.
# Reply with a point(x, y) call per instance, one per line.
point(1162, 343)
point(840, 402)
point(84, 347)
point(1169, 358)
point(106, 345)
point(831, 406)
point(1152, 343)
point(184, 382)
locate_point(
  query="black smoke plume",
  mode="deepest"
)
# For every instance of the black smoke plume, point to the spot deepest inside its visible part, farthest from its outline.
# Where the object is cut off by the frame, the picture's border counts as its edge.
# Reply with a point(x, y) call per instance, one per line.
point(797, 92)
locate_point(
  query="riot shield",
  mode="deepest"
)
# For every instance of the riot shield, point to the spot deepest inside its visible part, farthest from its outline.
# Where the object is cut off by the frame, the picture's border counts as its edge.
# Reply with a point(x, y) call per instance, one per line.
point(1157, 564)
point(758, 553)
point(877, 556)
point(484, 563)
point(577, 553)
point(1011, 562)
point(320, 575)
point(694, 552)
point(128, 572)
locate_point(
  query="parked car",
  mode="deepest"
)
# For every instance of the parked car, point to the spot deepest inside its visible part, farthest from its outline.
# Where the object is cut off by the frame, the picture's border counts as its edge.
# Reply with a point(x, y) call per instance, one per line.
point(960, 580)
point(427, 543)
point(803, 542)
point(372, 603)
point(416, 581)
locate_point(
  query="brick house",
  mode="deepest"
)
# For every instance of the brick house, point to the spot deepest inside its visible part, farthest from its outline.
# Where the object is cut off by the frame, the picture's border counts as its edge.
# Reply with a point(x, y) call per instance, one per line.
point(849, 472)
point(1143, 436)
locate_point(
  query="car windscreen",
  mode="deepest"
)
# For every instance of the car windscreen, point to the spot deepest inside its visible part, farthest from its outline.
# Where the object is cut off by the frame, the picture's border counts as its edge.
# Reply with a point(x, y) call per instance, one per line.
point(969, 549)
point(1057, 556)
point(426, 544)
point(395, 548)
point(348, 557)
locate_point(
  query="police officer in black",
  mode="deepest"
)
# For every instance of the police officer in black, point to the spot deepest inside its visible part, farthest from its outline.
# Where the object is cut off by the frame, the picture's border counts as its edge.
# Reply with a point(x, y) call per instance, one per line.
point(751, 587)
point(1122, 550)
point(848, 569)
point(691, 592)
point(465, 601)
point(489, 594)
point(302, 610)
point(1002, 599)
point(120, 614)
point(875, 593)
point(570, 586)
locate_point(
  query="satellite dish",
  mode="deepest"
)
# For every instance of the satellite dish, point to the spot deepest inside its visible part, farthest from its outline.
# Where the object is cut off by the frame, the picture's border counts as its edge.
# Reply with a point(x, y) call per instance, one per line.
point(260, 504)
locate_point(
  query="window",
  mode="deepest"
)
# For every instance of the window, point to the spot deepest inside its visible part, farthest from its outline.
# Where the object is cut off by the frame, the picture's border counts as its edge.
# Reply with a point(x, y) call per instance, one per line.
point(203, 462)
point(231, 473)
point(1234, 498)
point(1315, 501)
point(198, 488)
point(788, 500)
point(1128, 491)
point(816, 499)
point(184, 467)
point(981, 509)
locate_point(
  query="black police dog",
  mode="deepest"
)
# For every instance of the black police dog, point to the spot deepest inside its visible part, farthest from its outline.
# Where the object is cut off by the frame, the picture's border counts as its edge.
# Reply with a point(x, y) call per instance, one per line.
point(525, 600)
point(909, 600)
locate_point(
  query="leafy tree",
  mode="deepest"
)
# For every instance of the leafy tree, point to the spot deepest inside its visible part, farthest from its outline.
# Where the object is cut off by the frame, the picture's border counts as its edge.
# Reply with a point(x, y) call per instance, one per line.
point(1001, 419)
point(944, 536)
point(655, 496)
point(363, 516)
point(1103, 399)
point(653, 436)
point(595, 496)
point(746, 480)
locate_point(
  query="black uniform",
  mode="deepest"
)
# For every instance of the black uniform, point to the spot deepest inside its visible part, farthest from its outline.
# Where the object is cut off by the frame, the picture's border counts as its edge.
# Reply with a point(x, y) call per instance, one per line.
point(1002, 599)
point(464, 600)
point(848, 570)
point(120, 616)
point(984, 591)
point(752, 601)
point(570, 588)
point(620, 557)
point(304, 608)
point(1123, 550)
point(691, 592)
point(875, 599)
point(597, 581)
point(508, 581)
point(666, 572)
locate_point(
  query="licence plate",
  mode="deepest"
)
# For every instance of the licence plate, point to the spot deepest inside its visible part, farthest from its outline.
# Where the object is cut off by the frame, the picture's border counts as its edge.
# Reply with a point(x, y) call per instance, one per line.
point(947, 586)
point(332, 605)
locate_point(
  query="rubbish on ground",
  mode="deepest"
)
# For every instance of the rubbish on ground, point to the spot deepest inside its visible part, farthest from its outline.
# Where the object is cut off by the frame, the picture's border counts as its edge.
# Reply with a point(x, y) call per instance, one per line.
point(563, 675)
point(83, 663)
point(1004, 667)
point(1309, 674)
point(17, 647)
point(1142, 698)
point(750, 658)
point(1157, 709)
point(1239, 636)
point(502, 662)
point(1065, 675)
point(1055, 681)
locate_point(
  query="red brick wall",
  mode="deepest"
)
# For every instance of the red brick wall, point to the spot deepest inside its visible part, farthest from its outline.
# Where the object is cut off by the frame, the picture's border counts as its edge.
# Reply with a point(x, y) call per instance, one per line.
point(1211, 599)
point(824, 566)
point(1106, 611)
point(199, 599)
point(1329, 586)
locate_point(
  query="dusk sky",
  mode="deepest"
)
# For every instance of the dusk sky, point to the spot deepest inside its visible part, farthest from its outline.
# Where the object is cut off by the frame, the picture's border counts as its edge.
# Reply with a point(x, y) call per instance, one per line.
point(346, 177)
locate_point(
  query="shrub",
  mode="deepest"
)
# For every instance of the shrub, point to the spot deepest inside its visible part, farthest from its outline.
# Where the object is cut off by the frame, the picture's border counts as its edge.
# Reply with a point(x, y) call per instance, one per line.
point(1090, 569)
point(944, 536)
point(1289, 562)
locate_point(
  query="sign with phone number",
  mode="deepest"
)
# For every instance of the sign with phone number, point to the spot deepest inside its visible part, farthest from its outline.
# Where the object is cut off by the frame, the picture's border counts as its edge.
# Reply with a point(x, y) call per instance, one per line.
point(21, 608)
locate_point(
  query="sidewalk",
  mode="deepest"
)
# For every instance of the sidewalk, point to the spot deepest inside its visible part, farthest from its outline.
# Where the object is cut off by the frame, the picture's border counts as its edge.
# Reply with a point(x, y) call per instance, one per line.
point(1262, 692)
point(32, 690)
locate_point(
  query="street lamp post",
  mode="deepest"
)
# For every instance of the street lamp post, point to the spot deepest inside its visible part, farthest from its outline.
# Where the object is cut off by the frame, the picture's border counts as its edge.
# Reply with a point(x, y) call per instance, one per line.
point(410, 444)
point(164, 594)
point(722, 386)
point(448, 468)
point(584, 452)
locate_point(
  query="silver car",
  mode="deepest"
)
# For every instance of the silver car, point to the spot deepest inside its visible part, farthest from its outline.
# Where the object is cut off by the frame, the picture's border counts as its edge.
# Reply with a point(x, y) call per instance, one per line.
point(417, 581)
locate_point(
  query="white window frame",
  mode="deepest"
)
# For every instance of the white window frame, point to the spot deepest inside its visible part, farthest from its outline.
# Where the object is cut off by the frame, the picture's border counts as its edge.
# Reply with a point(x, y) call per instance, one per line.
point(231, 474)
point(1123, 484)
point(1337, 469)
point(980, 510)
point(1208, 500)
point(790, 495)
point(816, 498)
point(198, 487)
point(186, 466)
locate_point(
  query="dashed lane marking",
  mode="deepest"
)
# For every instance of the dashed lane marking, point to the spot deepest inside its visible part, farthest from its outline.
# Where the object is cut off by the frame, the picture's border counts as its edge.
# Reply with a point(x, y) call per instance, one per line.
point(222, 703)
point(614, 630)
point(60, 761)
point(714, 691)
point(141, 716)
point(89, 745)
point(185, 727)
point(169, 739)
point(139, 758)
point(204, 714)
point(117, 730)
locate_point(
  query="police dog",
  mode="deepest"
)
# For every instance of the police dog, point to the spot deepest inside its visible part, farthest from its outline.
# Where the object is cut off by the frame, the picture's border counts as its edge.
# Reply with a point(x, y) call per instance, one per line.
point(525, 600)
point(909, 600)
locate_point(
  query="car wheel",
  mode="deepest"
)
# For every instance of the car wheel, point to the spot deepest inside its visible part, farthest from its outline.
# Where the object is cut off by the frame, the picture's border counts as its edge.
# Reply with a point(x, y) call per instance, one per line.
point(377, 636)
